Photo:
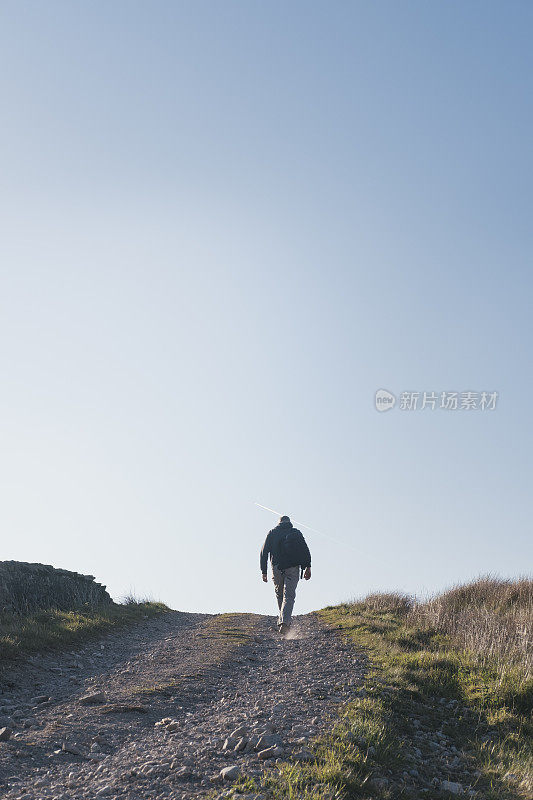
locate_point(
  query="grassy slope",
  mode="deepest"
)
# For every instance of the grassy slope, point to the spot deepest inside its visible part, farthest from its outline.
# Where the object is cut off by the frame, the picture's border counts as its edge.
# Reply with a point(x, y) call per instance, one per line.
point(27, 633)
point(417, 681)
point(418, 674)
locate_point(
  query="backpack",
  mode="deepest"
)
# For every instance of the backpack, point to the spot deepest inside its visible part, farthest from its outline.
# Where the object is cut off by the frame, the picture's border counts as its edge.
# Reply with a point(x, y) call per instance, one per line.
point(291, 550)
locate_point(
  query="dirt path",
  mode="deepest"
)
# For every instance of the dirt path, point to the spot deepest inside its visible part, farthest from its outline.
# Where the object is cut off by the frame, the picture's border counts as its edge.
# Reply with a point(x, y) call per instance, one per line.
point(221, 682)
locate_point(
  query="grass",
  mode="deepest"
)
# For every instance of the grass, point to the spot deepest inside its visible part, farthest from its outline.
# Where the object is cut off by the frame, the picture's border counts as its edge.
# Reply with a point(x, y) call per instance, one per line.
point(482, 706)
point(22, 634)
point(490, 618)
point(423, 684)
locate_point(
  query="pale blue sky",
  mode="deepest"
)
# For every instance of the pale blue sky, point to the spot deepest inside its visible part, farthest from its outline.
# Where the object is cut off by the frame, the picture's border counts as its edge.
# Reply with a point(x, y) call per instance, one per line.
point(225, 225)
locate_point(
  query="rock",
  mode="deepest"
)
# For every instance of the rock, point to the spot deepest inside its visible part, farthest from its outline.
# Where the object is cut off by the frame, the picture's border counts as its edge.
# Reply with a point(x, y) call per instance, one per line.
point(229, 743)
point(305, 755)
point(241, 744)
point(230, 773)
point(268, 740)
point(182, 772)
point(452, 787)
point(173, 726)
point(5, 722)
point(92, 698)
point(270, 752)
point(68, 747)
point(5, 734)
point(41, 698)
point(248, 796)
point(238, 733)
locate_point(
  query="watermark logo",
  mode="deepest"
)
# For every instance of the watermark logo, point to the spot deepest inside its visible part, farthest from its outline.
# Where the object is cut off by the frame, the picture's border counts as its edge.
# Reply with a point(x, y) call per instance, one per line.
point(445, 401)
point(384, 400)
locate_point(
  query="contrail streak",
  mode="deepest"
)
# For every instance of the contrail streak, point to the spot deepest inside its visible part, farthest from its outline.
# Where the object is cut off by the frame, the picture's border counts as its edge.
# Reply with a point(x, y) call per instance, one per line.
point(309, 528)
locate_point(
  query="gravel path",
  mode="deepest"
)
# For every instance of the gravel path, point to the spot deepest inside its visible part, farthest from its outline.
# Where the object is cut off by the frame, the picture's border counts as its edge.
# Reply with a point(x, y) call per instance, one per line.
point(175, 701)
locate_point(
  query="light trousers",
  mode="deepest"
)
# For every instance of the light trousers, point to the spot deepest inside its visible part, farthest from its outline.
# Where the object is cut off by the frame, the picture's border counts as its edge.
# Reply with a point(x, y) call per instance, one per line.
point(285, 583)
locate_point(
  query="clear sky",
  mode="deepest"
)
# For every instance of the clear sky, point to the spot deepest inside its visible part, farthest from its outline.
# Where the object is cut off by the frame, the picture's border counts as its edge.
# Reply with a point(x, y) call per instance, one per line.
point(224, 226)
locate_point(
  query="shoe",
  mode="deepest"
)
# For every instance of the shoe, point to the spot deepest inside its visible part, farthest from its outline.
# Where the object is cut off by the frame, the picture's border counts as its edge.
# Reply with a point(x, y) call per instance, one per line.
point(284, 628)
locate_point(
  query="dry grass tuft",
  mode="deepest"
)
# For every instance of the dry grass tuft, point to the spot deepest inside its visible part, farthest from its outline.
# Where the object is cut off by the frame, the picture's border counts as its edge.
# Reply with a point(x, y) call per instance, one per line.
point(389, 602)
point(490, 617)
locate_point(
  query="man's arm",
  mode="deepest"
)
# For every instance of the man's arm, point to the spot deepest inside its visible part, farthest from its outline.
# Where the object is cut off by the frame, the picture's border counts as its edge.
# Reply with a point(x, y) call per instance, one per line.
point(306, 561)
point(306, 554)
point(263, 558)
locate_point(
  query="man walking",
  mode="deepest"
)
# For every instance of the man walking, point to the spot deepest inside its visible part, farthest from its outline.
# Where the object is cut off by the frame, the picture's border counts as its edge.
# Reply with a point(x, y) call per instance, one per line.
point(289, 554)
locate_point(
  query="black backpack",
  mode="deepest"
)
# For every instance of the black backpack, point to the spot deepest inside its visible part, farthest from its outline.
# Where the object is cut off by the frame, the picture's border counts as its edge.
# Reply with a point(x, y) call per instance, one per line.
point(291, 549)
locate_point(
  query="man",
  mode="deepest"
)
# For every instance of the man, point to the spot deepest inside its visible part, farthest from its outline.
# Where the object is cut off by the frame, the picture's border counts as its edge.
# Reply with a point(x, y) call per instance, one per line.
point(288, 553)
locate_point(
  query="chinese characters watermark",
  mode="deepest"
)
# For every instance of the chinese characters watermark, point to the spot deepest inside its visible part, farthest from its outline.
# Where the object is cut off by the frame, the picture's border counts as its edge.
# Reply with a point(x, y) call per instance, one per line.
point(448, 401)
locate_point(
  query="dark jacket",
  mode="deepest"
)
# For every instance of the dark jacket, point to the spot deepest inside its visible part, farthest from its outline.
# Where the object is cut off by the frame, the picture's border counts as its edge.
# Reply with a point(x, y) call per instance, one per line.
point(271, 548)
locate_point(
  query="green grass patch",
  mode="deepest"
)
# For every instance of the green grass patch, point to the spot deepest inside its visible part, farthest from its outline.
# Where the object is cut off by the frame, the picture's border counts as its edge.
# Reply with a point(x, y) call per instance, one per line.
point(22, 634)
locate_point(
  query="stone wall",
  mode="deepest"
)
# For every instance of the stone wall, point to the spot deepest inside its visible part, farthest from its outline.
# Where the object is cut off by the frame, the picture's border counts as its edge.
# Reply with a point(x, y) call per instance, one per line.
point(30, 587)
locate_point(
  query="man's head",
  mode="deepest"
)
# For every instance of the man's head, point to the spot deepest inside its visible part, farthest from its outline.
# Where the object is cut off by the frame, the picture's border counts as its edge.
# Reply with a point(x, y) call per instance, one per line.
point(284, 520)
